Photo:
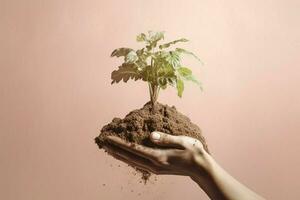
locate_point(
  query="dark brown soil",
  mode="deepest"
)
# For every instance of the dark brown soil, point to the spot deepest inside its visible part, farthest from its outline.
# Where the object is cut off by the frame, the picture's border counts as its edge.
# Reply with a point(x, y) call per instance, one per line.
point(138, 124)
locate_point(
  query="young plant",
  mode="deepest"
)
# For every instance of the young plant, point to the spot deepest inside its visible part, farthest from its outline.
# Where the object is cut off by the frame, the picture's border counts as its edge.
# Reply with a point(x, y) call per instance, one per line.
point(155, 63)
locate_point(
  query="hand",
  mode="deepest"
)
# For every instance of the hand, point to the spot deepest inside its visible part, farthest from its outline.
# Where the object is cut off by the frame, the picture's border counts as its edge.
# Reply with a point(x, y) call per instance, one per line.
point(183, 155)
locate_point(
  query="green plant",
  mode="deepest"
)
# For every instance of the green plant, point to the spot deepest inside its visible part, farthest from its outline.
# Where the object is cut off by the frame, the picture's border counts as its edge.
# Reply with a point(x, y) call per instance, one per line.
point(155, 64)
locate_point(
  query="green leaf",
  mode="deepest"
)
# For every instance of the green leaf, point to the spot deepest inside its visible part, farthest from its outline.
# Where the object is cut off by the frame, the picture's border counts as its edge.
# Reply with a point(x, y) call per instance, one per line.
point(121, 52)
point(148, 74)
point(179, 50)
point(184, 71)
point(156, 36)
point(166, 71)
point(125, 72)
point(180, 87)
point(186, 74)
point(152, 39)
point(141, 37)
point(142, 55)
point(173, 59)
point(171, 81)
point(163, 46)
point(140, 52)
point(131, 57)
point(154, 63)
point(162, 82)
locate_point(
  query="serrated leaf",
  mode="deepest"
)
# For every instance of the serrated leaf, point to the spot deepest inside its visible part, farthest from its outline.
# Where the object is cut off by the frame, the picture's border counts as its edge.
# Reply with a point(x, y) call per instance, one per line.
point(141, 37)
point(121, 52)
point(131, 57)
point(152, 39)
point(156, 36)
point(125, 72)
point(163, 46)
point(180, 50)
point(160, 68)
point(180, 87)
point(173, 58)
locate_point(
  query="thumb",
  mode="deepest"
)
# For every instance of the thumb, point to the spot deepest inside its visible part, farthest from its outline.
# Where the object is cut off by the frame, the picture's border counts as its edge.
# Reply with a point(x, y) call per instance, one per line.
point(168, 140)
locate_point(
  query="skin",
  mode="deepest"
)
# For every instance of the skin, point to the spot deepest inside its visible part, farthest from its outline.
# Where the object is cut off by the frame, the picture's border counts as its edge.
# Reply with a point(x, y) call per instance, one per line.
point(183, 156)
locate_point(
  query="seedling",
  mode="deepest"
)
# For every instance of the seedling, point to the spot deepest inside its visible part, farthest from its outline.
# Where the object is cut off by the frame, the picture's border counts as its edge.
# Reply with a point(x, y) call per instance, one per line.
point(158, 64)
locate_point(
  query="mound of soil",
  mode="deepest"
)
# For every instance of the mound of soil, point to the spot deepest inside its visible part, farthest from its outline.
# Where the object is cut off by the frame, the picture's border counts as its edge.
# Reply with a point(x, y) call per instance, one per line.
point(138, 124)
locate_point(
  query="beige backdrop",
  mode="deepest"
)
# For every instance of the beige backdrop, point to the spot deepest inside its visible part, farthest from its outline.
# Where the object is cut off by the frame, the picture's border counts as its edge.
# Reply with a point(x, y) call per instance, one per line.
point(55, 94)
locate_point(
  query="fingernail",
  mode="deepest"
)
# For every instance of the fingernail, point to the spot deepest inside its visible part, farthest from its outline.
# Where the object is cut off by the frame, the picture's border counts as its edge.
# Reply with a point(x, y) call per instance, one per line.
point(155, 136)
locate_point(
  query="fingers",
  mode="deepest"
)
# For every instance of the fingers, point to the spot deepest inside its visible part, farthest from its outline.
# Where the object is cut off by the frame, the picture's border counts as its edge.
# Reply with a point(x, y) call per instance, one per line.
point(164, 139)
point(158, 161)
point(140, 150)
point(181, 141)
point(131, 159)
point(142, 163)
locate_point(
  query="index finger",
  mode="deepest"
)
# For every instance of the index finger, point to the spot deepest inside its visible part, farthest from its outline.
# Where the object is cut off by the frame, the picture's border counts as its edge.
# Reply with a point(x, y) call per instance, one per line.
point(140, 150)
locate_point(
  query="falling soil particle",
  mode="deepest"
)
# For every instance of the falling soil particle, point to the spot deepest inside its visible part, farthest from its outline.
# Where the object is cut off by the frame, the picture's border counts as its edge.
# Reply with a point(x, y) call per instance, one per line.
point(138, 124)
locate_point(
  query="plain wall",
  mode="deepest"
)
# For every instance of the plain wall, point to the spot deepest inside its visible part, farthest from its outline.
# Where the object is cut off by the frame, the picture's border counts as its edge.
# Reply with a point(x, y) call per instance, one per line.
point(55, 94)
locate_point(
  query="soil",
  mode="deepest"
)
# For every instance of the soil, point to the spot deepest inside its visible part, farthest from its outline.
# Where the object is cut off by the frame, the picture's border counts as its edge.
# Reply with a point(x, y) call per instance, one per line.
point(138, 124)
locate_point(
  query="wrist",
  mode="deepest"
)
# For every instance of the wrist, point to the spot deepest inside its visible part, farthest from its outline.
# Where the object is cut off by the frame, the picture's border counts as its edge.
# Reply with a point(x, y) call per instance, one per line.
point(204, 165)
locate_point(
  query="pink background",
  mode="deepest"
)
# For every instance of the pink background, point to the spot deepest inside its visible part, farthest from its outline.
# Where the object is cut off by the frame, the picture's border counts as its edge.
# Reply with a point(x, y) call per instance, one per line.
point(55, 94)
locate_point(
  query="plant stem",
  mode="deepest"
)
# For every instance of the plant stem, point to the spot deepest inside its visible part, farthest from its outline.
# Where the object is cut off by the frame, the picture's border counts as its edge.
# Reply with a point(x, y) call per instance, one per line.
point(155, 93)
point(150, 92)
point(154, 90)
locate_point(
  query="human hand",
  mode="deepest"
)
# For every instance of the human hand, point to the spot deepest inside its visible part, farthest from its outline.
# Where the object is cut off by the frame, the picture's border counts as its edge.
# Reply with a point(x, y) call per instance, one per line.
point(181, 155)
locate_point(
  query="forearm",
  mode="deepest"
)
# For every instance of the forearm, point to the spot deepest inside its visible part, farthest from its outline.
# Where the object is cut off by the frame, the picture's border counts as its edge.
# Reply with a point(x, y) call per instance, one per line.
point(219, 185)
